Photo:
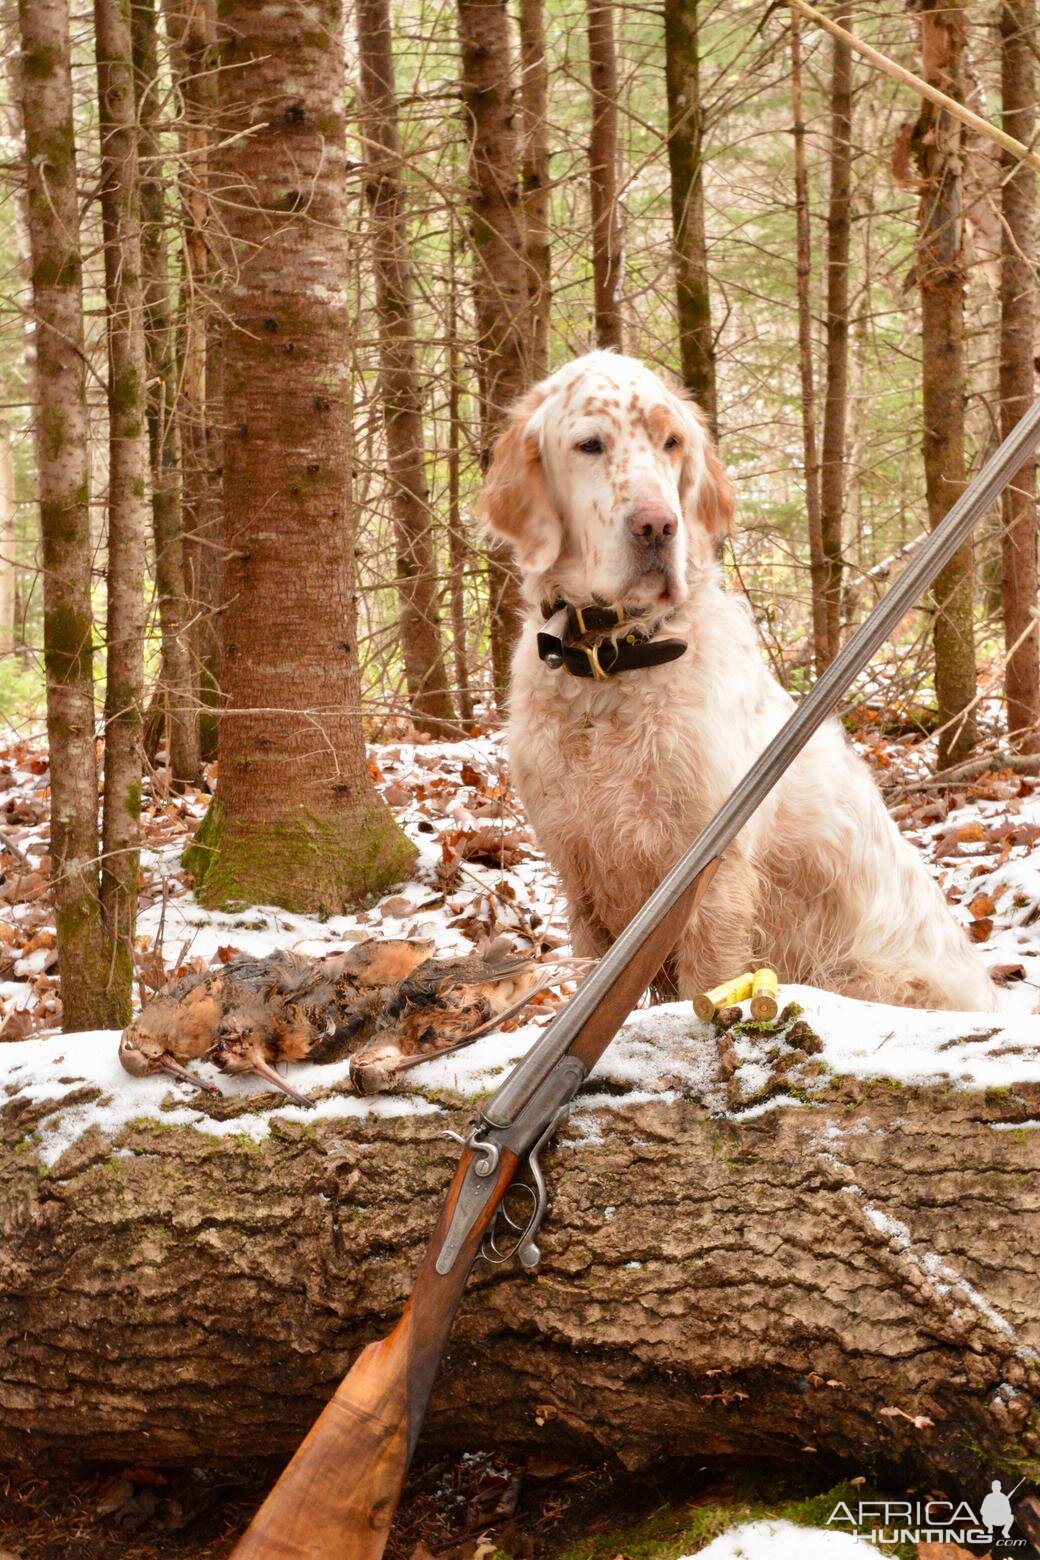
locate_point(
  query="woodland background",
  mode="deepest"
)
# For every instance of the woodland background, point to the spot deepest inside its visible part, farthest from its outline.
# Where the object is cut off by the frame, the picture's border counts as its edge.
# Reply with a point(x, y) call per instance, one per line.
point(271, 278)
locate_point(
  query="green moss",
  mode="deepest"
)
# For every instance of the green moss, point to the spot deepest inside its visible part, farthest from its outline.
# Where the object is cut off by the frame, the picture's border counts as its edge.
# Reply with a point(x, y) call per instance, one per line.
point(309, 863)
point(672, 1531)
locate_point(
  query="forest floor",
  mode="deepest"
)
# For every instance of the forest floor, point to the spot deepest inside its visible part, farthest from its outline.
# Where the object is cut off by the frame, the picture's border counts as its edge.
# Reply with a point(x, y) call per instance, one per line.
point(478, 874)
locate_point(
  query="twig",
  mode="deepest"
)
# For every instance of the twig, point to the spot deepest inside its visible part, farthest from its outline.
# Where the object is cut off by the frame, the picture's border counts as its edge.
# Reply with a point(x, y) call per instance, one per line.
point(907, 79)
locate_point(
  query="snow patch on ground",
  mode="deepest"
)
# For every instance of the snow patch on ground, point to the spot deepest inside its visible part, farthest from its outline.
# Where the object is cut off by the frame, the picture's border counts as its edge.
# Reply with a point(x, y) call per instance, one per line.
point(660, 1055)
point(777, 1540)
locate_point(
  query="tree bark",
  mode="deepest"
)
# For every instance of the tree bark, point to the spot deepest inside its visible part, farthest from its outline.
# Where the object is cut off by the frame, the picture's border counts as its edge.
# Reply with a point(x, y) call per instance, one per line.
point(499, 270)
point(686, 164)
point(296, 821)
point(839, 228)
point(64, 488)
point(460, 553)
point(8, 593)
point(817, 565)
point(603, 176)
point(176, 694)
point(191, 32)
point(420, 634)
point(534, 103)
point(1018, 325)
point(742, 1285)
point(127, 488)
point(940, 273)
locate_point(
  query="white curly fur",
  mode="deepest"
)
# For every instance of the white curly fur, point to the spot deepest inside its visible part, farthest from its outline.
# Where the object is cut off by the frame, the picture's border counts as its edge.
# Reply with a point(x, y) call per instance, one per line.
point(618, 777)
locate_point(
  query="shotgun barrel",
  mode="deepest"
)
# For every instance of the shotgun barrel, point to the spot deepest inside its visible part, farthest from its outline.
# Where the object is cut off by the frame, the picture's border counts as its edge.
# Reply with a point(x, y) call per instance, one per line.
point(336, 1498)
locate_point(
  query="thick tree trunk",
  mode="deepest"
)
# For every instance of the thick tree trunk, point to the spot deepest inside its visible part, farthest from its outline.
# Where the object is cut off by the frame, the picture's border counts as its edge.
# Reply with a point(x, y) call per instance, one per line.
point(499, 269)
point(839, 228)
point(420, 634)
point(191, 31)
point(852, 1270)
point(940, 275)
point(534, 104)
point(8, 592)
point(127, 488)
point(603, 176)
point(686, 163)
point(64, 487)
point(296, 821)
point(176, 694)
point(817, 566)
point(1018, 325)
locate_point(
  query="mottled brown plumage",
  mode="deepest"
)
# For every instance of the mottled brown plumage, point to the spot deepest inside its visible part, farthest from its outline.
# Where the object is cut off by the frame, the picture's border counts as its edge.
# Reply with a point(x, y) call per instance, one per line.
point(387, 1004)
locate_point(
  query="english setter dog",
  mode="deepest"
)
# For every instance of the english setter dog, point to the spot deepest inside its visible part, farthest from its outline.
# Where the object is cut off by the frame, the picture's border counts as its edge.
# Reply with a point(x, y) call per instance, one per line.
point(639, 698)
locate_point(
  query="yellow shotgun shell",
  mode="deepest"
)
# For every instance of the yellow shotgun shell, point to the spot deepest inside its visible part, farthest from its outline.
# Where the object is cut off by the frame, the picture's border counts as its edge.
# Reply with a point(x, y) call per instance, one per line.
point(708, 1003)
point(763, 994)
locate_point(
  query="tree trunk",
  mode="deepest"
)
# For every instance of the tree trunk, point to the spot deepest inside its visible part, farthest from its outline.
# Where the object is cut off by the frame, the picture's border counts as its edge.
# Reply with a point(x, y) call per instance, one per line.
point(686, 163)
point(499, 270)
point(817, 566)
point(823, 1273)
point(127, 488)
point(460, 554)
point(1018, 324)
point(603, 176)
point(64, 486)
point(534, 103)
point(8, 593)
point(420, 635)
point(839, 227)
point(191, 31)
point(940, 274)
point(295, 821)
point(176, 677)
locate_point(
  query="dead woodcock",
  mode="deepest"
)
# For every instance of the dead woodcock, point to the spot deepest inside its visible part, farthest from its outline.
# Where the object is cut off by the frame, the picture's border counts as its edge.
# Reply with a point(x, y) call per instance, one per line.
point(386, 1001)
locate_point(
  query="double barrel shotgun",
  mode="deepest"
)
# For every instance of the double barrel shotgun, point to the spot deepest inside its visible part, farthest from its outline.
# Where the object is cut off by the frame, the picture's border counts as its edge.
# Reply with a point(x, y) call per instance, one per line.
point(337, 1497)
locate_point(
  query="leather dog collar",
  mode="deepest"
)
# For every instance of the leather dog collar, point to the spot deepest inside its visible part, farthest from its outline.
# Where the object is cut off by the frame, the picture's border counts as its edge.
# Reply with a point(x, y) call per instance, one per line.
point(584, 642)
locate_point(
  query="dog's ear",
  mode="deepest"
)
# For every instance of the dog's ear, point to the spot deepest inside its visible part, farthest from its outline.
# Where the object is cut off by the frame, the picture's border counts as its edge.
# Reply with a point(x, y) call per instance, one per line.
point(515, 502)
point(704, 488)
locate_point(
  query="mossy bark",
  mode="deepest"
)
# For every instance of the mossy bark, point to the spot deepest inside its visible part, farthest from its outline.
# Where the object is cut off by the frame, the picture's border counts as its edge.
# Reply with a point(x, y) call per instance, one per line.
point(128, 480)
point(299, 821)
point(686, 164)
point(824, 1274)
point(62, 458)
point(307, 863)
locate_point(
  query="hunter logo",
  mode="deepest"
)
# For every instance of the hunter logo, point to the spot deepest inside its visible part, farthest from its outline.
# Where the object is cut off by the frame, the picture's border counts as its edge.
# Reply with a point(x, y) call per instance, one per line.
point(933, 1521)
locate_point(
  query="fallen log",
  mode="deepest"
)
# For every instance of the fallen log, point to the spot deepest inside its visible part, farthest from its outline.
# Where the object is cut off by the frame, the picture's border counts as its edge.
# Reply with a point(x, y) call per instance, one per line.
point(805, 1252)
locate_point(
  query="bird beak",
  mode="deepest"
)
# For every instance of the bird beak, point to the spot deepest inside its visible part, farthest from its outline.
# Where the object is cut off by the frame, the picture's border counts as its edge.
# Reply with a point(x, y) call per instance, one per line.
point(170, 1064)
point(265, 1070)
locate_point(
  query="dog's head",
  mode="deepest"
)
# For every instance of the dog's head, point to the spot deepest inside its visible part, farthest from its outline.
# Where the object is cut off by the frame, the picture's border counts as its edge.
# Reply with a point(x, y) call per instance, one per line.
point(605, 483)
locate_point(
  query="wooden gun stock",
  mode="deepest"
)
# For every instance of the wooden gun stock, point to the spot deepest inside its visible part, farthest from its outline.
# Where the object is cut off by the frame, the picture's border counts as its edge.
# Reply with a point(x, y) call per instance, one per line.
point(337, 1497)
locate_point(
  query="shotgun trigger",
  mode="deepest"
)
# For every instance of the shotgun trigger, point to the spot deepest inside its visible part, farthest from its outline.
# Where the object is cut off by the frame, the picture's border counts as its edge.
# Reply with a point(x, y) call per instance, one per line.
point(524, 1245)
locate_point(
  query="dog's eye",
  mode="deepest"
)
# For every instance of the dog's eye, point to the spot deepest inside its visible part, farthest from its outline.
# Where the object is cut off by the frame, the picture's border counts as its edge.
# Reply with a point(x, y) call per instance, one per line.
point(591, 446)
point(672, 442)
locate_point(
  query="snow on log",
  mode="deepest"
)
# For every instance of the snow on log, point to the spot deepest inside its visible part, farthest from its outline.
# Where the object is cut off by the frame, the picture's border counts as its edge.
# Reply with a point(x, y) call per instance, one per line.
point(833, 1251)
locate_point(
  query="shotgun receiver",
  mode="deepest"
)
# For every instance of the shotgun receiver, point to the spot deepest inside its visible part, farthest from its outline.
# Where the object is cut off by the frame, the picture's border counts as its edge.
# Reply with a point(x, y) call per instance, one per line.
point(337, 1497)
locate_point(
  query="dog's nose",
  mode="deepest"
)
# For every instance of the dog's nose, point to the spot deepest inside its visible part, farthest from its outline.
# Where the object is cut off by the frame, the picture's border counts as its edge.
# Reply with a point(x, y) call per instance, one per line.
point(652, 523)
